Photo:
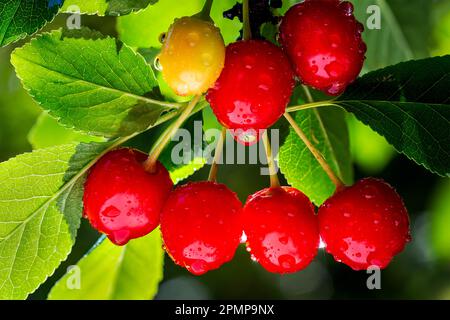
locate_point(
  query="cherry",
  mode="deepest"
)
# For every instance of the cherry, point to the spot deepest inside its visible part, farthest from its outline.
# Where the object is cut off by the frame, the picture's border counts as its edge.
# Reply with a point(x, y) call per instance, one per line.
point(200, 226)
point(323, 41)
point(281, 228)
point(192, 56)
point(253, 89)
point(121, 199)
point(365, 224)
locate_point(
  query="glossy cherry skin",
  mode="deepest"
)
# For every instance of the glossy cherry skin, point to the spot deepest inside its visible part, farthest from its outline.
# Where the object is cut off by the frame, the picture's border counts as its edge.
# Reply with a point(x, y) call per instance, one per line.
point(200, 226)
point(364, 225)
point(253, 89)
point(192, 56)
point(281, 228)
point(323, 40)
point(121, 199)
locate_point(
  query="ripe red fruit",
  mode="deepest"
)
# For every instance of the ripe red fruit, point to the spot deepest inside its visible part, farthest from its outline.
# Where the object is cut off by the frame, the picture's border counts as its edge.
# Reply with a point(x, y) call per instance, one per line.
point(281, 228)
point(200, 226)
point(323, 41)
point(121, 199)
point(365, 224)
point(253, 89)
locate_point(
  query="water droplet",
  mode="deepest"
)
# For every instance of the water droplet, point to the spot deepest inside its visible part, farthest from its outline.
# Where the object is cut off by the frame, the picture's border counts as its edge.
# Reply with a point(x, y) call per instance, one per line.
point(193, 38)
point(286, 261)
point(334, 89)
point(120, 237)
point(162, 37)
point(207, 59)
point(347, 8)
point(359, 27)
point(110, 212)
point(283, 240)
point(157, 64)
point(198, 267)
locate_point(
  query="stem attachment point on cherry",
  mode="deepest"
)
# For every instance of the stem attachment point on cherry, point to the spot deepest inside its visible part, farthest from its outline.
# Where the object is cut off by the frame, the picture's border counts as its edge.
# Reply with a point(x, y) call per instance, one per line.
point(205, 14)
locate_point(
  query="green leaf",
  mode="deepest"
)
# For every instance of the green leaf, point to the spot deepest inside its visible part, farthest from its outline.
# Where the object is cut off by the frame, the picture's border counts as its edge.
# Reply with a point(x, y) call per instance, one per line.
point(110, 272)
point(440, 220)
point(20, 18)
point(372, 157)
point(143, 29)
point(441, 28)
point(18, 112)
point(185, 147)
point(108, 7)
point(40, 210)
point(48, 132)
point(385, 46)
point(408, 104)
point(326, 128)
point(94, 85)
point(123, 7)
point(86, 7)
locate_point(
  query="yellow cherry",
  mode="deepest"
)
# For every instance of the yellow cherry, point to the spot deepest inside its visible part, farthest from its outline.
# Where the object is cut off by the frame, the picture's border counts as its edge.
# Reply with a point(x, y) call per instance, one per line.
point(192, 56)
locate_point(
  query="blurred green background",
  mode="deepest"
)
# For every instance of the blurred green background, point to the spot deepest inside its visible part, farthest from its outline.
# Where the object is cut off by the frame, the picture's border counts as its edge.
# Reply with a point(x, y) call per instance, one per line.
point(422, 271)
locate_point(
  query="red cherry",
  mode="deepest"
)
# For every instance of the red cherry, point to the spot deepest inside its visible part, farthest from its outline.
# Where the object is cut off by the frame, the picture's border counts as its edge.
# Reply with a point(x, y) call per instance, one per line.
point(365, 224)
point(253, 89)
point(323, 40)
point(200, 226)
point(121, 199)
point(281, 228)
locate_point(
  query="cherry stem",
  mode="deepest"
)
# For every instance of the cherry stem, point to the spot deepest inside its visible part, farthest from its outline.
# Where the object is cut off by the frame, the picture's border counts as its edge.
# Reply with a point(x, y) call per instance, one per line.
point(316, 153)
point(217, 154)
point(150, 163)
point(274, 182)
point(247, 33)
point(308, 94)
point(311, 106)
point(205, 14)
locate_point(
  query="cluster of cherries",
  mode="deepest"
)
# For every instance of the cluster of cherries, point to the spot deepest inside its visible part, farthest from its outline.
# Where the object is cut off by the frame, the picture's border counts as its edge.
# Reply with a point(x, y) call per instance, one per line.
point(249, 85)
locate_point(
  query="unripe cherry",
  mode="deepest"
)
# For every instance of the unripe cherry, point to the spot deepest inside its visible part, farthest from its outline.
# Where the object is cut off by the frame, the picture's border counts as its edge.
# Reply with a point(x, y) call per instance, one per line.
point(192, 56)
